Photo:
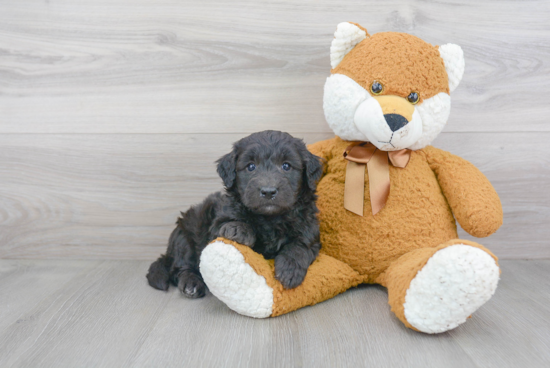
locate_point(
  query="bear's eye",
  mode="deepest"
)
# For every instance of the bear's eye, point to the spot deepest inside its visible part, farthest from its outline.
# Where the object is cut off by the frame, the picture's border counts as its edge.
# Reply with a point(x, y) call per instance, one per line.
point(251, 167)
point(376, 88)
point(413, 98)
point(286, 166)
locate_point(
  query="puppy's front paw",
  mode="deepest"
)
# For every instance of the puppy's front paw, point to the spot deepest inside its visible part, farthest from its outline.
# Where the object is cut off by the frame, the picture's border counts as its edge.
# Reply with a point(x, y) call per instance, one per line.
point(289, 273)
point(191, 285)
point(239, 232)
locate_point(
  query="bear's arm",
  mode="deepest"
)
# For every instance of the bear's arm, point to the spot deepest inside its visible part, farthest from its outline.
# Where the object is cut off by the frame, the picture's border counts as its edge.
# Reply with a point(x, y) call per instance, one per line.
point(323, 149)
point(472, 198)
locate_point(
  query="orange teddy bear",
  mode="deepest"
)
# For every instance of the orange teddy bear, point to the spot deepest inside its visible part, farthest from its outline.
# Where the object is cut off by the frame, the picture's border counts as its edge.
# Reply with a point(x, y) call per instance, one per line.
point(387, 200)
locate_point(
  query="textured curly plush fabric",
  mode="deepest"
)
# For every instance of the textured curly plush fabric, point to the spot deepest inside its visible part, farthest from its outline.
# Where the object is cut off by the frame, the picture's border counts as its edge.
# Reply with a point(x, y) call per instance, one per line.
point(391, 247)
point(418, 213)
point(399, 275)
point(434, 280)
point(472, 198)
point(401, 62)
point(326, 278)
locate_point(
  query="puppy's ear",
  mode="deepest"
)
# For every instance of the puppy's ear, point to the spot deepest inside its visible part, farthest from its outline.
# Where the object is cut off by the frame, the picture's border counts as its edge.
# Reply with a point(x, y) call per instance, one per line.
point(227, 168)
point(313, 168)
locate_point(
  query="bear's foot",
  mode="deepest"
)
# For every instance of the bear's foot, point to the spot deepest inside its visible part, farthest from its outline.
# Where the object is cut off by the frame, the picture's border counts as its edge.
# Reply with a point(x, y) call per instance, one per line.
point(245, 280)
point(454, 282)
point(232, 280)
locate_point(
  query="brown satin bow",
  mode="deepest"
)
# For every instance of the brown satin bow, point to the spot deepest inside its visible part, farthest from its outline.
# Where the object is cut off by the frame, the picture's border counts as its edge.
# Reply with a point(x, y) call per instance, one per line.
point(359, 155)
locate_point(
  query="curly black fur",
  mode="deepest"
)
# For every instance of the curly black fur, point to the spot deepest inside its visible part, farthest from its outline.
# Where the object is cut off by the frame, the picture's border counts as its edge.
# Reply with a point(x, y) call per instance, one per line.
point(268, 204)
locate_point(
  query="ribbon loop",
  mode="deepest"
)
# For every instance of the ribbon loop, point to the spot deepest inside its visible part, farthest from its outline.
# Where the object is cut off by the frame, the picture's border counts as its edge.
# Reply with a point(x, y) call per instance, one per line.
point(376, 161)
point(360, 153)
point(400, 158)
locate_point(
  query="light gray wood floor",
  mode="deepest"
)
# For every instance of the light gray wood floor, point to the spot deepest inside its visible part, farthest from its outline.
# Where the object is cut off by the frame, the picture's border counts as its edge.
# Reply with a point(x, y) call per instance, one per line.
point(103, 314)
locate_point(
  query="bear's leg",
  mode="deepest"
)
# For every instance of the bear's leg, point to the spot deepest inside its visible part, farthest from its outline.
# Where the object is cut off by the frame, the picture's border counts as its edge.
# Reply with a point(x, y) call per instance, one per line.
point(434, 290)
point(245, 281)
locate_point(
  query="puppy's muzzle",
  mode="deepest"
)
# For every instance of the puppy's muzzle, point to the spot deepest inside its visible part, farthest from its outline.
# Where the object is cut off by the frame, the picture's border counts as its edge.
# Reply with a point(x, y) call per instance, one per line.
point(268, 192)
point(397, 111)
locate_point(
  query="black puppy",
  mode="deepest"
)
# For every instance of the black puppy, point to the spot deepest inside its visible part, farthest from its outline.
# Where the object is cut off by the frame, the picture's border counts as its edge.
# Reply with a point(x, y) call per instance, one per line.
point(268, 204)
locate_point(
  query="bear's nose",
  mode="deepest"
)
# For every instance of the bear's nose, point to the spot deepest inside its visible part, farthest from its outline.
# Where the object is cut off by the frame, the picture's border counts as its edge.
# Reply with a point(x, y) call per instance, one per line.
point(268, 192)
point(395, 121)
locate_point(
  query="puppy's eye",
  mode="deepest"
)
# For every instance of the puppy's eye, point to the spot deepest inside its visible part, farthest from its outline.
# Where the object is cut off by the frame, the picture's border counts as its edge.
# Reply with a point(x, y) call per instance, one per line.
point(376, 88)
point(251, 167)
point(286, 166)
point(413, 98)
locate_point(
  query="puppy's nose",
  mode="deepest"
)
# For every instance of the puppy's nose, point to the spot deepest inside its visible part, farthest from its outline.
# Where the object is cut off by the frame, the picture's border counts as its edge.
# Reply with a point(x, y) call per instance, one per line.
point(268, 192)
point(395, 121)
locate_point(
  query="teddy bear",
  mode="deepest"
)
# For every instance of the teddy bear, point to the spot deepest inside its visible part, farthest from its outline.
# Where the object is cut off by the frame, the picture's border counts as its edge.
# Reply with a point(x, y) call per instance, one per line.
point(387, 199)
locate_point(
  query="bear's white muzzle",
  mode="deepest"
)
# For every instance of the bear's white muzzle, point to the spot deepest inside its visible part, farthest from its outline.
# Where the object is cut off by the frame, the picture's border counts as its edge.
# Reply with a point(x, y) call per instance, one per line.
point(387, 129)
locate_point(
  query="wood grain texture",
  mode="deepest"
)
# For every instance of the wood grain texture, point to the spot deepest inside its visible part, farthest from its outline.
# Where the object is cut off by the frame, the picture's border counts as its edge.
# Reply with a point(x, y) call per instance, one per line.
point(103, 314)
point(24, 283)
point(113, 112)
point(118, 196)
point(519, 309)
point(223, 66)
point(98, 319)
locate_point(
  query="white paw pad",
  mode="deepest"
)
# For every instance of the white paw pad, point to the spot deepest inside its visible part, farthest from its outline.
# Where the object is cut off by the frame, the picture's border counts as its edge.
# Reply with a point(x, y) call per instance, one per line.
point(453, 284)
point(234, 282)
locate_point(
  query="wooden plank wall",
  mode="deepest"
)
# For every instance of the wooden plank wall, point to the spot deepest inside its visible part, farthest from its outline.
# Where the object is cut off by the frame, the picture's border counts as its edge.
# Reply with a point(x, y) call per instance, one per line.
point(112, 112)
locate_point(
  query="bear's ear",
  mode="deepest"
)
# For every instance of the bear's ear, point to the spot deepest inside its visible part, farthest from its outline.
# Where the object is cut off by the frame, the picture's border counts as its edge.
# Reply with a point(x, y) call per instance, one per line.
point(347, 35)
point(453, 57)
